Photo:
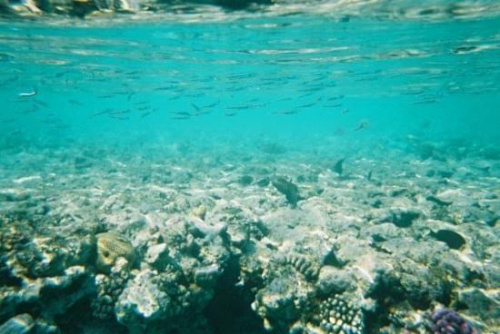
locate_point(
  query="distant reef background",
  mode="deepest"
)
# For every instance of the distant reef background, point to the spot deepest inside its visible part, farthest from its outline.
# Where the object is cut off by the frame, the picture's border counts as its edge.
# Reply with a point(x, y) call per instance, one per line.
point(99, 8)
point(217, 10)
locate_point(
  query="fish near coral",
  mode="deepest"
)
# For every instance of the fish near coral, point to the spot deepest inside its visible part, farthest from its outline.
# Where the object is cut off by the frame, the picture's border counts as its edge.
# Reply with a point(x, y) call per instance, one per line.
point(111, 247)
point(199, 212)
point(287, 188)
point(339, 166)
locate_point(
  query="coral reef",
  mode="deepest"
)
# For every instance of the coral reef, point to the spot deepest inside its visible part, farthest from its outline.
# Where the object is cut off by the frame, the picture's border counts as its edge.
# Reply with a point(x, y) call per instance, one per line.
point(20, 324)
point(302, 265)
point(109, 287)
point(198, 250)
point(449, 322)
point(339, 317)
point(82, 8)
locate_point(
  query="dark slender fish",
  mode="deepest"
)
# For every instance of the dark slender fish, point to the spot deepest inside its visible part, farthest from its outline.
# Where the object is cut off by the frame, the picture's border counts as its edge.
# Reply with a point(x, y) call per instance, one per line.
point(162, 88)
point(119, 112)
point(195, 95)
point(181, 113)
point(286, 112)
point(305, 95)
point(333, 98)
point(240, 107)
point(75, 102)
point(307, 105)
point(239, 88)
point(195, 107)
point(121, 118)
point(366, 79)
point(100, 79)
point(122, 93)
point(241, 76)
point(337, 105)
point(60, 127)
point(216, 103)
point(312, 89)
point(201, 113)
point(146, 114)
point(248, 106)
point(426, 101)
point(103, 112)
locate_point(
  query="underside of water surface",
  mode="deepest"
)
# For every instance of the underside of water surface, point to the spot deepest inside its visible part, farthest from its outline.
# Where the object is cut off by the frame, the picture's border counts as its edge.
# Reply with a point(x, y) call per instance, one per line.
point(219, 167)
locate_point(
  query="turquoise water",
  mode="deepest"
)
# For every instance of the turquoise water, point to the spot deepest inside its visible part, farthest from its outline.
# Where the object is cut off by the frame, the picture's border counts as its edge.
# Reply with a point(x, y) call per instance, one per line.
point(299, 79)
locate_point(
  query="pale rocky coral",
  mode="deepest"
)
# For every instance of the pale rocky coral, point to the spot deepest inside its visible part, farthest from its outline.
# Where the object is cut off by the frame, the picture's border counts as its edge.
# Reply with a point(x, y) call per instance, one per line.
point(42, 270)
point(142, 301)
point(14, 234)
point(109, 287)
point(360, 256)
point(20, 324)
point(282, 302)
point(178, 273)
point(53, 296)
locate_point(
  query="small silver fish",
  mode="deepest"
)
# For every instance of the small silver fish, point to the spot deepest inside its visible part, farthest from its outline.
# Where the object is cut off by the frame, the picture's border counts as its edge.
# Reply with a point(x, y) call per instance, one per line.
point(27, 94)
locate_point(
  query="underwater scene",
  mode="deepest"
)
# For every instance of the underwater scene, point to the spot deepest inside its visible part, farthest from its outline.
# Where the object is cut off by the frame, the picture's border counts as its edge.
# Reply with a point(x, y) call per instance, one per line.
point(237, 166)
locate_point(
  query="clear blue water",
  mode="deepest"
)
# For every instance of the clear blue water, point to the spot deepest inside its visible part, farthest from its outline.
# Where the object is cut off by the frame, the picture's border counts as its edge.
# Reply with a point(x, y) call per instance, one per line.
point(297, 79)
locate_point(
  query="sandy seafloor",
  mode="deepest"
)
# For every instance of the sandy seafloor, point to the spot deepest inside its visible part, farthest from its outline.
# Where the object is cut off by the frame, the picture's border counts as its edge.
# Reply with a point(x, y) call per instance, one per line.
point(203, 242)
